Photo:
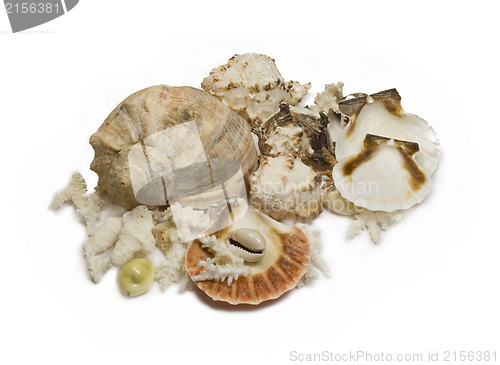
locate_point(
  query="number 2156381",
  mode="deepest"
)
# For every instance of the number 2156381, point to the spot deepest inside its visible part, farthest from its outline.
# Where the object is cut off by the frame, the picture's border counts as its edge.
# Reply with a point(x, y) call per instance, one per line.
point(32, 8)
point(455, 356)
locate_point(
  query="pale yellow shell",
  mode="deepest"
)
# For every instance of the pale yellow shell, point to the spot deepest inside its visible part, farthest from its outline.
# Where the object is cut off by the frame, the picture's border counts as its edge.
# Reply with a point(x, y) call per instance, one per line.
point(223, 134)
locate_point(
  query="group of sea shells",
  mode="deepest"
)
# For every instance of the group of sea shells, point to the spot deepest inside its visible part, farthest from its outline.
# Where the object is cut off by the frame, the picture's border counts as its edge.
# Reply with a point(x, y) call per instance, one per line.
point(244, 139)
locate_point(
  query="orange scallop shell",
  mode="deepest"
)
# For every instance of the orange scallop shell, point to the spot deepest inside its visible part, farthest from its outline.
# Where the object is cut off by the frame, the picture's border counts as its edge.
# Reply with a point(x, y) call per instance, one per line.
point(279, 276)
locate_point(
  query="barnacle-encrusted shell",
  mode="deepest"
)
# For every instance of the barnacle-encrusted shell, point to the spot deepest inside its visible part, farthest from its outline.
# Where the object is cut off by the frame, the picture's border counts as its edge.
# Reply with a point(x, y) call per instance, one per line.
point(385, 156)
point(285, 185)
point(133, 130)
point(252, 85)
point(296, 130)
point(284, 263)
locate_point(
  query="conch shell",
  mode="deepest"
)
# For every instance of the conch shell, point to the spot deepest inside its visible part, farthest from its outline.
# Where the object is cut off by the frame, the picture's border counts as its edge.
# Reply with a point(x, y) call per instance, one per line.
point(163, 142)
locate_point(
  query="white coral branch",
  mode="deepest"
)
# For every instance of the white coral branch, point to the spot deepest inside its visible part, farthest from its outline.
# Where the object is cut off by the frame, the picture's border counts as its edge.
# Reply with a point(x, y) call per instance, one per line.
point(135, 236)
point(87, 206)
point(213, 270)
point(102, 240)
point(317, 264)
point(172, 270)
point(328, 100)
point(222, 252)
point(118, 240)
point(224, 265)
point(373, 222)
point(186, 220)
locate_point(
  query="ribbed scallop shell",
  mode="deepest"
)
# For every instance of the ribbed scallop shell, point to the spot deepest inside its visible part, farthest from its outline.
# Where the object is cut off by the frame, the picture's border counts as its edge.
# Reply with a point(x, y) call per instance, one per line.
point(223, 134)
point(384, 176)
point(386, 157)
point(381, 114)
point(283, 265)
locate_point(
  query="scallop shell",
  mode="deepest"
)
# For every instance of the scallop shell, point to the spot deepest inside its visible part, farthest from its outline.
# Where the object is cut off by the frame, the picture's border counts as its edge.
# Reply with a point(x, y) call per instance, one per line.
point(287, 255)
point(384, 176)
point(386, 157)
point(381, 114)
point(164, 128)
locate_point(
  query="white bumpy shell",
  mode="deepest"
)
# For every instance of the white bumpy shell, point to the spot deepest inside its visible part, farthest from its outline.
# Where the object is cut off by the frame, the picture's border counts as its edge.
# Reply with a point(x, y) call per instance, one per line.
point(252, 85)
point(284, 185)
point(299, 131)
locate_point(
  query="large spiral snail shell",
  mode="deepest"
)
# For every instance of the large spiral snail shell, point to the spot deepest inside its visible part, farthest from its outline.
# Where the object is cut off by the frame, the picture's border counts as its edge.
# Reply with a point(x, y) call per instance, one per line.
point(135, 126)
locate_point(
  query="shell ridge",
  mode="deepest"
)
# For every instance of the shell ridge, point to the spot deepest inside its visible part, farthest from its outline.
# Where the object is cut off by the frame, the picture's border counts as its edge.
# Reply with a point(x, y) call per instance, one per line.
point(301, 250)
point(272, 292)
point(294, 262)
point(233, 296)
point(249, 290)
point(214, 290)
point(277, 278)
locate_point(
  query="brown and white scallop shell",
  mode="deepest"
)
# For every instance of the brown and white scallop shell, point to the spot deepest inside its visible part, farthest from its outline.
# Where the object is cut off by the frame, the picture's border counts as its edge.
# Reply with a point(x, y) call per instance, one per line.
point(285, 261)
point(135, 128)
point(386, 157)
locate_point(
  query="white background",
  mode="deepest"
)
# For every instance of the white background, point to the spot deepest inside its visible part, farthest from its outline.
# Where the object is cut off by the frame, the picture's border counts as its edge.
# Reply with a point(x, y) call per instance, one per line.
point(431, 284)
